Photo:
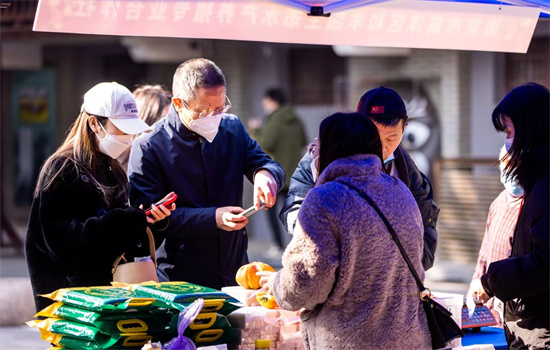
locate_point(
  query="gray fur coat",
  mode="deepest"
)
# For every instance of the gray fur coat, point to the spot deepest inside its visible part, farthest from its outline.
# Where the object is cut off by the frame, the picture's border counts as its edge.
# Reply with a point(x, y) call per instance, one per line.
point(343, 267)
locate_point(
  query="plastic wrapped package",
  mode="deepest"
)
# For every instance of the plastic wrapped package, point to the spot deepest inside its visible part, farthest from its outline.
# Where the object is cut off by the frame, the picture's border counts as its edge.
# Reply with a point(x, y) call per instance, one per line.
point(246, 347)
point(253, 316)
point(260, 332)
point(107, 323)
point(180, 295)
point(293, 338)
point(242, 294)
point(288, 317)
point(135, 340)
point(102, 299)
point(76, 330)
point(290, 328)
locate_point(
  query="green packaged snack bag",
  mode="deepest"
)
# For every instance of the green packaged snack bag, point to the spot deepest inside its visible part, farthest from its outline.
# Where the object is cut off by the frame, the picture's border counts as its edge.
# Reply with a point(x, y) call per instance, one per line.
point(179, 295)
point(68, 342)
point(209, 320)
point(108, 323)
point(103, 299)
point(73, 329)
point(213, 336)
point(134, 341)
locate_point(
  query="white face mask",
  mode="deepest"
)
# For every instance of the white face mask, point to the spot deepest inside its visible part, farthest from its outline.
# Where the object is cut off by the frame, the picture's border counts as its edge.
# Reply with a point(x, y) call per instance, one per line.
point(508, 143)
point(113, 145)
point(314, 170)
point(511, 183)
point(207, 127)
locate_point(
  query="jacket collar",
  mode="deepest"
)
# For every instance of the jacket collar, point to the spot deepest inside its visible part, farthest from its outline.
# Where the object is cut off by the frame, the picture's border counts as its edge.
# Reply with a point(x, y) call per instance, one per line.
point(401, 164)
point(358, 165)
point(173, 119)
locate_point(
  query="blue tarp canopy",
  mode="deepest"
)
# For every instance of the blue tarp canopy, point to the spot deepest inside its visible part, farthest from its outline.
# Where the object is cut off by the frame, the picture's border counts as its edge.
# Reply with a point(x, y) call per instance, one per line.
point(331, 6)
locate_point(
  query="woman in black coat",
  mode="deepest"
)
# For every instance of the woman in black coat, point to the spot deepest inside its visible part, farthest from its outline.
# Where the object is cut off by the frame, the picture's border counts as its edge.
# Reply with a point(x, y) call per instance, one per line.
point(522, 280)
point(80, 220)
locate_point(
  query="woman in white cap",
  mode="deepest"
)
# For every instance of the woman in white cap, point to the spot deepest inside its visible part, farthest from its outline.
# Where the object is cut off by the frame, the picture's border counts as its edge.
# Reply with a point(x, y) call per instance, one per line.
point(80, 219)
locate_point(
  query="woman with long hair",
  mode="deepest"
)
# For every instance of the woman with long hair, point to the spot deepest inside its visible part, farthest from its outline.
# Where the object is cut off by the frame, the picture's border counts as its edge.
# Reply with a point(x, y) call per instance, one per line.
point(153, 102)
point(342, 264)
point(80, 220)
point(522, 280)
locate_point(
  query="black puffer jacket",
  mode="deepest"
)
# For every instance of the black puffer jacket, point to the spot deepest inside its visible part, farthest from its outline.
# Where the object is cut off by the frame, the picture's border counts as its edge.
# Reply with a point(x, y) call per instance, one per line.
point(73, 238)
point(522, 281)
point(302, 181)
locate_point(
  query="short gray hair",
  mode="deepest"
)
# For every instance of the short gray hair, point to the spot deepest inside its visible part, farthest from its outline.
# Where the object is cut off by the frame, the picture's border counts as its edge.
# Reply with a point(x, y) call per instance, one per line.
point(194, 74)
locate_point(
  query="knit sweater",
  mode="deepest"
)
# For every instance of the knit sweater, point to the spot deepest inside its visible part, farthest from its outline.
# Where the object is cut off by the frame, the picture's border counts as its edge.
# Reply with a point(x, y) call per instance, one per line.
point(343, 267)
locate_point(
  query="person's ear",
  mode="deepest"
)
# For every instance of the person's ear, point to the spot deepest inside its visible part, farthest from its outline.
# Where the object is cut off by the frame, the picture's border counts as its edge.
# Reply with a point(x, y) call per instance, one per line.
point(178, 103)
point(93, 123)
point(405, 125)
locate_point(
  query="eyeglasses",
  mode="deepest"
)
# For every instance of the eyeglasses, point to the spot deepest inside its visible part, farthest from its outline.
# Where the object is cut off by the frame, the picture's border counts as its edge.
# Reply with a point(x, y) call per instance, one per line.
point(212, 112)
point(311, 149)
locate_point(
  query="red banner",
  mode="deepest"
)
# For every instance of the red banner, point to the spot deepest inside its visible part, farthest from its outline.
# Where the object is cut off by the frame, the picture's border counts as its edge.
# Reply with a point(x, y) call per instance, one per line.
point(412, 24)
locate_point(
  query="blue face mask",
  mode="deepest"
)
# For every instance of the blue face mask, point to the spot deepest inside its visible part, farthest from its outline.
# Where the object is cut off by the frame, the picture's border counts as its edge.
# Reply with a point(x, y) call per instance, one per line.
point(511, 184)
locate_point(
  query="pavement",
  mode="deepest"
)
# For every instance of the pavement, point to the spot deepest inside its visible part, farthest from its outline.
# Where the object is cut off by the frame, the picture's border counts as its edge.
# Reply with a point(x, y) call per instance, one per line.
point(443, 277)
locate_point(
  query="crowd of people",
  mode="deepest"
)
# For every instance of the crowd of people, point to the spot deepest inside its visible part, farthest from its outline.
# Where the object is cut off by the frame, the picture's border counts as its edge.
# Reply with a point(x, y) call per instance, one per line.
point(126, 151)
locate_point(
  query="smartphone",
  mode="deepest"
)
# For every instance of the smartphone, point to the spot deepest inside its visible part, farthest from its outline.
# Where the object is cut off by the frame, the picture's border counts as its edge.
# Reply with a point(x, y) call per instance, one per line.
point(166, 201)
point(251, 210)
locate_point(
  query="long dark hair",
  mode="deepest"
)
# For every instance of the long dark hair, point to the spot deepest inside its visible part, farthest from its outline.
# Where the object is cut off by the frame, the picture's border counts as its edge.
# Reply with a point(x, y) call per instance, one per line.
point(528, 106)
point(343, 135)
point(79, 151)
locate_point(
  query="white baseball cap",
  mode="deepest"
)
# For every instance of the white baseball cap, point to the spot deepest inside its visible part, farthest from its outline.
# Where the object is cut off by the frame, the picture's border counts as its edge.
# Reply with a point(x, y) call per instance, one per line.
point(116, 102)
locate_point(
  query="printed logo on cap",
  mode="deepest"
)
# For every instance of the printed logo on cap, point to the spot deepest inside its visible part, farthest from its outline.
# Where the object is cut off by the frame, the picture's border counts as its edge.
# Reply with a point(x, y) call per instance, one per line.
point(377, 110)
point(130, 106)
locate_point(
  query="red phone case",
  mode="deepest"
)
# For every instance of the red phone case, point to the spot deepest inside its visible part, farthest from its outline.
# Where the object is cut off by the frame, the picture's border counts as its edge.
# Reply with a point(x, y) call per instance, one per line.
point(172, 196)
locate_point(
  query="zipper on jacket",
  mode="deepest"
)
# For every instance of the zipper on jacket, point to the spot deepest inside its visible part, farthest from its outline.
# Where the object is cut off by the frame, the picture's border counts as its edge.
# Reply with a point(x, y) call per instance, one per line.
point(201, 140)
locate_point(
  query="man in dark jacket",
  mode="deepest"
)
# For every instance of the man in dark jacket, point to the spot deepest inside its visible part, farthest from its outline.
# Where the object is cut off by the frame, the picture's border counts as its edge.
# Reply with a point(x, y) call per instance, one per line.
point(387, 110)
point(201, 153)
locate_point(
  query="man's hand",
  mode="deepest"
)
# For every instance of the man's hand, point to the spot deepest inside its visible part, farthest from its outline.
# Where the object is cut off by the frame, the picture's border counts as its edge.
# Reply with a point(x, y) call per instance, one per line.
point(228, 220)
point(478, 292)
point(265, 189)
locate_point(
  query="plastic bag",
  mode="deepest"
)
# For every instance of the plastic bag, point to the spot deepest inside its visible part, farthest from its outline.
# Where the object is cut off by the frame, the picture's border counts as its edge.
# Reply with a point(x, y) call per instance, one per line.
point(184, 320)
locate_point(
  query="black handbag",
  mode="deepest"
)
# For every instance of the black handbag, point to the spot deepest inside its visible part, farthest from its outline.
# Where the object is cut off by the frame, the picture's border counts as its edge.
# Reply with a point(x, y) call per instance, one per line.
point(442, 326)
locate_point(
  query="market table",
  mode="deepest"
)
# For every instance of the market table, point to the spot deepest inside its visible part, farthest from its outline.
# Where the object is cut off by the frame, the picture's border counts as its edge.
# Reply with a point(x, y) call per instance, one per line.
point(486, 335)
